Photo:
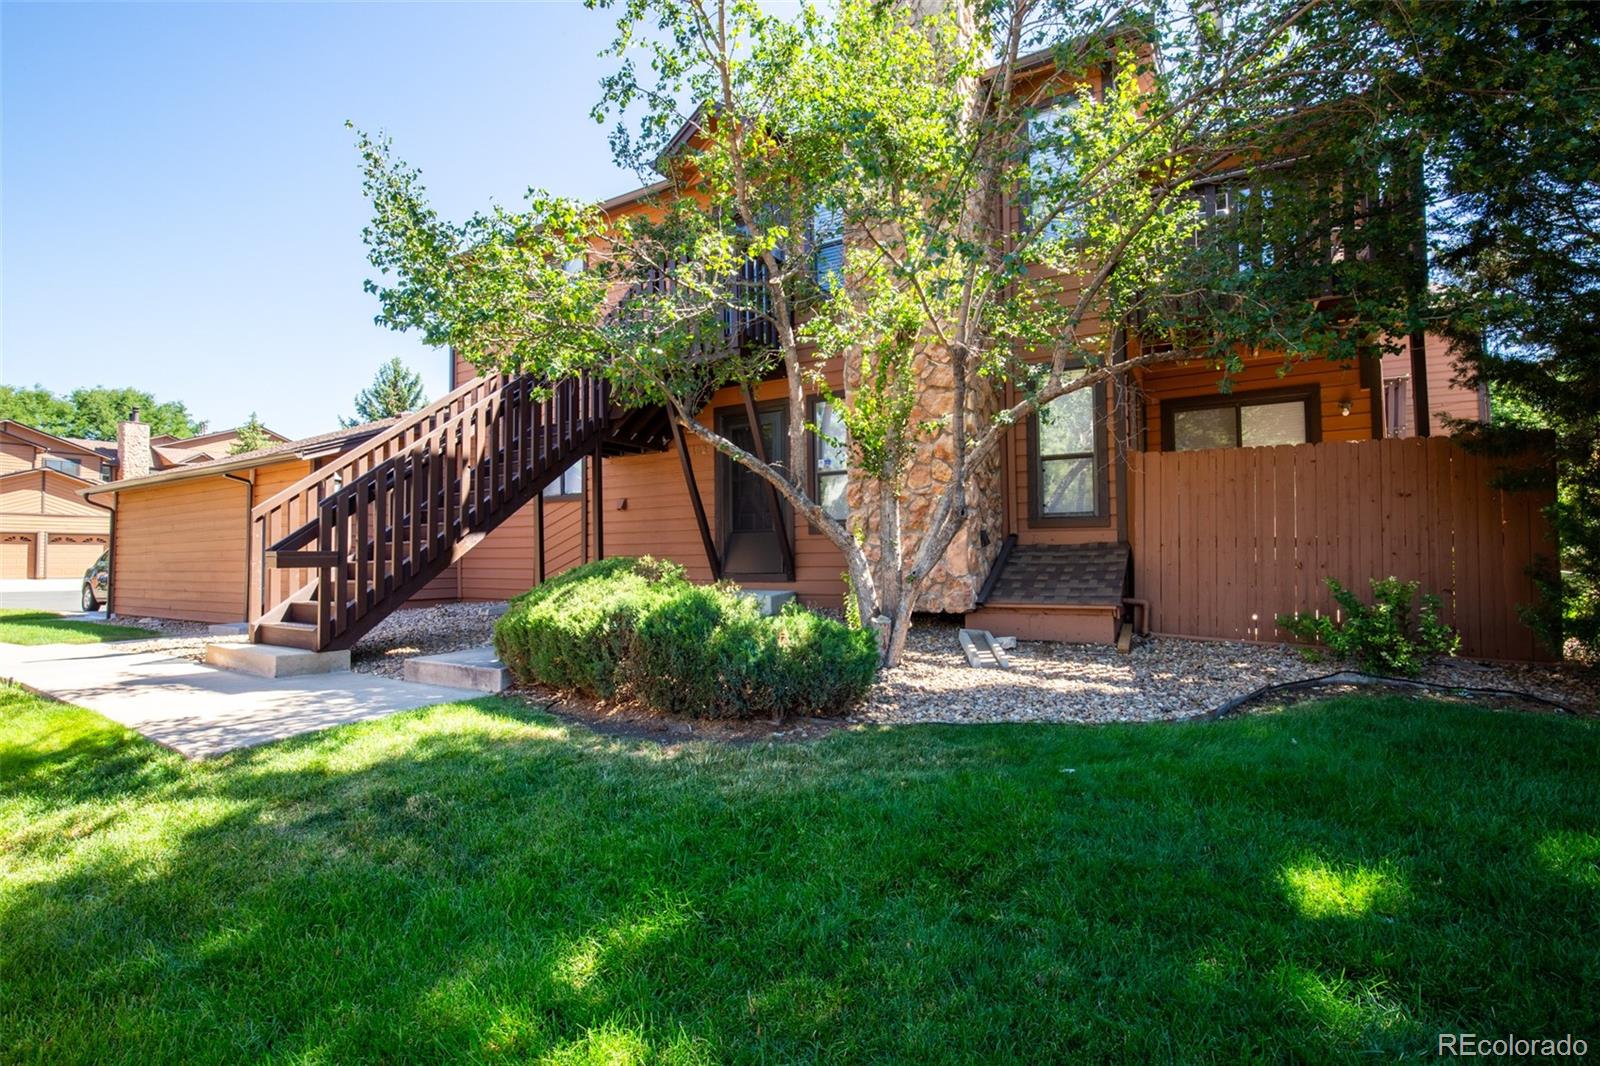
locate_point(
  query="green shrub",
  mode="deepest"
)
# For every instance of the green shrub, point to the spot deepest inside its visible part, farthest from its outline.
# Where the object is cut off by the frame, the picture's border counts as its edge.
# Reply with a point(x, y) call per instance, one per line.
point(573, 631)
point(821, 664)
point(638, 626)
point(707, 652)
point(1381, 638)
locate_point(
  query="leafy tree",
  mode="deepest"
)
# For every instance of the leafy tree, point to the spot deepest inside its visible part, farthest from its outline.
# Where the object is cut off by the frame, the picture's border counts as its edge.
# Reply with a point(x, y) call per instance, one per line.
point(1505, 101)
point(252, 435)
point(94, 412)
point(924, 130)
point(395, 390)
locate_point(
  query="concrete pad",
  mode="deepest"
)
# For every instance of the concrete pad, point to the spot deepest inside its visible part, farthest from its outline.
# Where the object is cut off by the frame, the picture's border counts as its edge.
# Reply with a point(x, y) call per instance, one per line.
point(202, 711)
point(274, 660)
point(229, 629)
point(771, 601)
point(475, 668)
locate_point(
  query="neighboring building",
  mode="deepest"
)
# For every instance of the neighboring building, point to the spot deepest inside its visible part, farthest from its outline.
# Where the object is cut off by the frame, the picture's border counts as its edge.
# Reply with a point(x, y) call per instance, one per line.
point(1449, 397)
point(48, 530)
point(48, 527)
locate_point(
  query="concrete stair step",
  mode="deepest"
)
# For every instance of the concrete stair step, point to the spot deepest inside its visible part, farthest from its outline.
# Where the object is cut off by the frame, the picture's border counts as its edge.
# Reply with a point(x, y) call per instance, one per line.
point(475, 668)
point(276, 660)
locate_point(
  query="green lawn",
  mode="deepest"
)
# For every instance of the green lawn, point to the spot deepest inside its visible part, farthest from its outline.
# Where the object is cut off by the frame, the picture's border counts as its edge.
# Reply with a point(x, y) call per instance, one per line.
point(1337, 881)
point(22, 626)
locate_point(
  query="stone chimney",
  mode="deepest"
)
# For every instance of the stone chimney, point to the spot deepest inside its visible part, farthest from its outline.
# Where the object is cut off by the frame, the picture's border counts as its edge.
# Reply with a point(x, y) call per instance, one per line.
point(133, 447)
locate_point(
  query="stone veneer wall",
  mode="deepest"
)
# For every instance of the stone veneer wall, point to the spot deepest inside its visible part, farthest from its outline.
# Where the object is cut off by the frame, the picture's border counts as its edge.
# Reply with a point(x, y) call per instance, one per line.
point(953, 585)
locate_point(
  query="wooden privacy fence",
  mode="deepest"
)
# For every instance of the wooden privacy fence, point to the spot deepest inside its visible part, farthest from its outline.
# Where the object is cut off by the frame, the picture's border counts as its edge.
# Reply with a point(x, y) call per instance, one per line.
point(1226, 540)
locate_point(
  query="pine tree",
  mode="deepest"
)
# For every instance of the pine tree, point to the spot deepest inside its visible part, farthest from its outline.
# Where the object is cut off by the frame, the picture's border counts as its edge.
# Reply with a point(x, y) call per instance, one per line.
point(252, 435)
point(395, 390)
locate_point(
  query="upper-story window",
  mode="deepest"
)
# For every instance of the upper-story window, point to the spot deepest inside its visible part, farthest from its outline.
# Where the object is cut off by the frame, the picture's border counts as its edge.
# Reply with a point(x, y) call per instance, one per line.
point(830, 462)
point(105, 471)
point(570, 483)
point(827, 236)
point(1050, 163)
point(66, 466)
point(1240, 211)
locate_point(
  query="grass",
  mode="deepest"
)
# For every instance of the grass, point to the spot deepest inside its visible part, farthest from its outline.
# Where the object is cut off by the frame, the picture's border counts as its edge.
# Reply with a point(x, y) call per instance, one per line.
point(477, 881)
point(23, 626)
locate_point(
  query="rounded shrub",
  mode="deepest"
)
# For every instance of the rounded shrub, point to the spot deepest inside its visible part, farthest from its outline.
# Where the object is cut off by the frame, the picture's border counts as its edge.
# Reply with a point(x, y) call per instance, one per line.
point(639, 627)
point(573, 631)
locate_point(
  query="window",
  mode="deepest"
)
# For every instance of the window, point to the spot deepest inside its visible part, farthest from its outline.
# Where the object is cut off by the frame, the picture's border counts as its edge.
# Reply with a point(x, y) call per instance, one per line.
point(105, 471)
point(1251, 420)
point(830, 462)
point(827, 235)
point(570, 483)
point(65, 466)
point(1242, 211)
point(1050, 165)
point(1067, 480)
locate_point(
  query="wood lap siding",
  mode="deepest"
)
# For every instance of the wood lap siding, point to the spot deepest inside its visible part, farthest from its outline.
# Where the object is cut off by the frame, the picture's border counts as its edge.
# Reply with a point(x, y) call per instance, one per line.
point(1335, 384)
point(503, 566)
point(1225, 540)
point(658, 518)
point(180, 547)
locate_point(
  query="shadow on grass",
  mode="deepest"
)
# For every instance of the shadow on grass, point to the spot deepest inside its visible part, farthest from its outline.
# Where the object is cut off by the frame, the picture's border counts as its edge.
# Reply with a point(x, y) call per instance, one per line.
point(478, 881)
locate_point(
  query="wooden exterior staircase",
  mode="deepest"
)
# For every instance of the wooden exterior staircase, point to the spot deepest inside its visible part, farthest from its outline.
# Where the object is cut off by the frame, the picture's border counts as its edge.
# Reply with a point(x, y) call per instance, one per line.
point(335, 553)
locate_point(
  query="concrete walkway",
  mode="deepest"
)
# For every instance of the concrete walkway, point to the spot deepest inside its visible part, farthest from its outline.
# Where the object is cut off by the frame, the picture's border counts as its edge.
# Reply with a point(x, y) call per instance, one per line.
point(202, 711)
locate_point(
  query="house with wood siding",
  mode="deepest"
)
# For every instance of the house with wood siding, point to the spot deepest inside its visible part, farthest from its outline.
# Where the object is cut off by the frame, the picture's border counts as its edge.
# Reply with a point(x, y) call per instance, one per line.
point(1153, 503)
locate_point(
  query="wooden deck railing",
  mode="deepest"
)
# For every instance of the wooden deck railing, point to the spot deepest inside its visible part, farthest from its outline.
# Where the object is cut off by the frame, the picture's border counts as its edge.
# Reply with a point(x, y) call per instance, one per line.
point(344, 546)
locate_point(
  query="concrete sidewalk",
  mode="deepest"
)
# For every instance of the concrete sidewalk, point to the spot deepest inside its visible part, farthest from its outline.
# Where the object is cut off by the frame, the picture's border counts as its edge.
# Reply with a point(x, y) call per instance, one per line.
point(202, 711)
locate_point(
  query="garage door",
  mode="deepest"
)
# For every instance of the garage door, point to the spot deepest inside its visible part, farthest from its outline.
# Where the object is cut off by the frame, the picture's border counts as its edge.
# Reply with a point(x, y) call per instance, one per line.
point(16, 555)
point(70, 556)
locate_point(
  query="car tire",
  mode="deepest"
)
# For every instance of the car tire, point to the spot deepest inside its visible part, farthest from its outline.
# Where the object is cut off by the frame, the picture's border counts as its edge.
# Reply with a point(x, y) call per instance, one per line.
point(89, 602)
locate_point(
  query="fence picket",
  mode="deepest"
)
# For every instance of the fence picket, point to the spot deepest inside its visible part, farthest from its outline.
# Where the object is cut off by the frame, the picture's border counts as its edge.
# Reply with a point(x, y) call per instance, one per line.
point(1224, 541)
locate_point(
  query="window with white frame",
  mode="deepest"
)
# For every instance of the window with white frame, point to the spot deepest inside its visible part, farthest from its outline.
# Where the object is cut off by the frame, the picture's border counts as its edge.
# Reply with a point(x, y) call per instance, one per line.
point(65, 466)
point(830, 463)
point(827, 237)
point(570, 483)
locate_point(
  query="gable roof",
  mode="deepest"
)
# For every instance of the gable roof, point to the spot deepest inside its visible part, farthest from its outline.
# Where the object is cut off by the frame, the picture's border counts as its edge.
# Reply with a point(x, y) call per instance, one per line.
point(322, 444)
point(46, 440)
point(48, 472)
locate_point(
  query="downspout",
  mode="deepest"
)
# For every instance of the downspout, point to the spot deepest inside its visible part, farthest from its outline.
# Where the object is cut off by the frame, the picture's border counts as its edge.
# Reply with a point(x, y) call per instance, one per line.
point(111, 543)
point(249, 484)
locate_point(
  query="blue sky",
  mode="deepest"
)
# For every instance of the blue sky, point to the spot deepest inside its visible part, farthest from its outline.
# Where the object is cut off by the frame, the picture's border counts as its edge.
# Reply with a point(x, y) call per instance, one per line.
point(181, 202)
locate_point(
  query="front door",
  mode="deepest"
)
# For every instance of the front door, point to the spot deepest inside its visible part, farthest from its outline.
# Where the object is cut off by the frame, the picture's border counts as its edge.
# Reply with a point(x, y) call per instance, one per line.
point(751, 548)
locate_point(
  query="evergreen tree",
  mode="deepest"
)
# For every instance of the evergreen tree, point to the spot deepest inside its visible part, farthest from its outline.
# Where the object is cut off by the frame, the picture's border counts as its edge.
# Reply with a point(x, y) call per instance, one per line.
point(396, 389)
point(252, 435)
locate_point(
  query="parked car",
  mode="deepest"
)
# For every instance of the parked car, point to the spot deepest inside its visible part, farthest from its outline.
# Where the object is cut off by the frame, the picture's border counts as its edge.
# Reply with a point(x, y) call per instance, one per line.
point(97, 583)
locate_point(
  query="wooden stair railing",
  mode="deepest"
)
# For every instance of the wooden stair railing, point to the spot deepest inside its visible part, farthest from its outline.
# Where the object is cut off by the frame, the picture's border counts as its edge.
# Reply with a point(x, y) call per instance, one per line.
point(335, 553)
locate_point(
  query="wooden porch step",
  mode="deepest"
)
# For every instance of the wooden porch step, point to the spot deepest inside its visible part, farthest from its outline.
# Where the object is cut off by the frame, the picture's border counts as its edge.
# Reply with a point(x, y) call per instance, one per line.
point(303, 612)
point(288, 634)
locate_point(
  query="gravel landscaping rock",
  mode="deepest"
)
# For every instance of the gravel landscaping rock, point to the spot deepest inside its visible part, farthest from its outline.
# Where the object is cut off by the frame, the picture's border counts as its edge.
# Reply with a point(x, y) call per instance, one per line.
point(183, 640)
point(1163, 679)
point(413, 631)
